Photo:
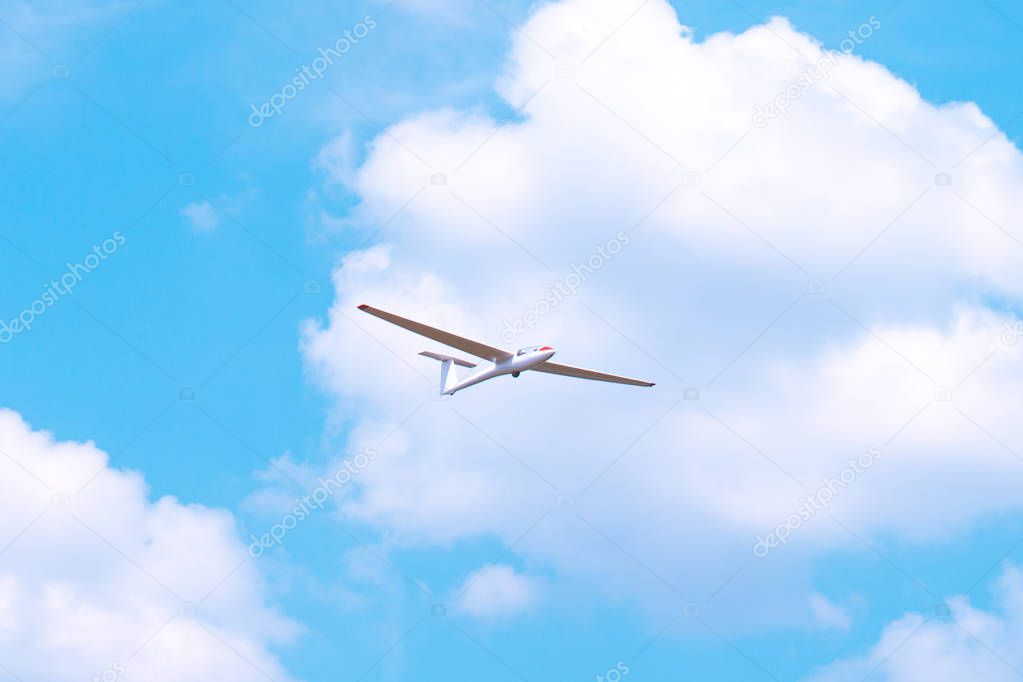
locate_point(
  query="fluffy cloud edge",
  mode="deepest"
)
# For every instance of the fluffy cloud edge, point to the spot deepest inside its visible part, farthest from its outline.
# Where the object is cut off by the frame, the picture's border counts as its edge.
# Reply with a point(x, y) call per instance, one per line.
point(956, 641)
point(98, 577)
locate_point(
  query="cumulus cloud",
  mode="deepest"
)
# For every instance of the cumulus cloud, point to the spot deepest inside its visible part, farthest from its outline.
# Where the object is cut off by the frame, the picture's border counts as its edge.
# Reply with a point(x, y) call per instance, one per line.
point(496, 592)
point(966, 643)
point(801, 291)
point(96, 577)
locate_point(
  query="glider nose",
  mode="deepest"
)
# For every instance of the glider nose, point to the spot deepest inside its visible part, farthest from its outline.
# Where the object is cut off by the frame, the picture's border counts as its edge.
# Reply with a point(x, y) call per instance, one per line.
point(546, 350)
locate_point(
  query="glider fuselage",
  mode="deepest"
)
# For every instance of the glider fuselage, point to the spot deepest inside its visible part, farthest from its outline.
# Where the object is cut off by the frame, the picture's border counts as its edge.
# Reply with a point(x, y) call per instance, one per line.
point(524, 359)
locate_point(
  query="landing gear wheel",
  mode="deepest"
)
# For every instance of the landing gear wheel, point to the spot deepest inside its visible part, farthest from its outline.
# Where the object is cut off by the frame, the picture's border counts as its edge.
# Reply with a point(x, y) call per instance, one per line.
point(516, 374)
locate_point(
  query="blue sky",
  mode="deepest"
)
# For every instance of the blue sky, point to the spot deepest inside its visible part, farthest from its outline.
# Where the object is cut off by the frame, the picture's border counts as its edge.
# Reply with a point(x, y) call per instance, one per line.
point(186, 356)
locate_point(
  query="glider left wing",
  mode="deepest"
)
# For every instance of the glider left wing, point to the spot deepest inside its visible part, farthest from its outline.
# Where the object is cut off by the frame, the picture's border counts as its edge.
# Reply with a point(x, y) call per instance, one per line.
point(480, 350)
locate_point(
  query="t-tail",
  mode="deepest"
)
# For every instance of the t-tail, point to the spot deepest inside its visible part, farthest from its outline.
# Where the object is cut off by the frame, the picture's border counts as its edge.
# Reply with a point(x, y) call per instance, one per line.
point(448, 376)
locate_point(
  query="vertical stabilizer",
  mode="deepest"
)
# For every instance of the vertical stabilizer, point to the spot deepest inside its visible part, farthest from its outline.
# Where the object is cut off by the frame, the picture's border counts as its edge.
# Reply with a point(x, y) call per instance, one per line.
point(448, 378)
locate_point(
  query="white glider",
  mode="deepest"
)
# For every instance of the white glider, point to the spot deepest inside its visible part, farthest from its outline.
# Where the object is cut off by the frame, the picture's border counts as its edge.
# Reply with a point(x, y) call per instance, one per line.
point(499, 361)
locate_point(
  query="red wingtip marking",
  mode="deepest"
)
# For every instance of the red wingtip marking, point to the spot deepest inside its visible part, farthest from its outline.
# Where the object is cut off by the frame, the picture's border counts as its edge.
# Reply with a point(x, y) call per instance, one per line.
point(363, 306)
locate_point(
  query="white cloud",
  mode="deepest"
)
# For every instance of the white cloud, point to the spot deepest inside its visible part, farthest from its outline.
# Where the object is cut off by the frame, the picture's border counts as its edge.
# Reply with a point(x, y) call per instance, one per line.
point(970, 644)
point(275, 494)
point(829, 614)
point(712, 292)
point(337, 161)
point(207, 215)
point(202, 215)
point(105, 577)
point(495, 592)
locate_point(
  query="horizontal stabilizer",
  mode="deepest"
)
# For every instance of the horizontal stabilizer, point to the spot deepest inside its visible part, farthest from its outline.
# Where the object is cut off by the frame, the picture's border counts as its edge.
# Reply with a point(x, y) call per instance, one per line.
point(442, 358)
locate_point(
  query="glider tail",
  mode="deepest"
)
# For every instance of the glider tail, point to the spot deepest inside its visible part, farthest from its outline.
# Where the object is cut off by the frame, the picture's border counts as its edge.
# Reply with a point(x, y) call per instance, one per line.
point(448, 377)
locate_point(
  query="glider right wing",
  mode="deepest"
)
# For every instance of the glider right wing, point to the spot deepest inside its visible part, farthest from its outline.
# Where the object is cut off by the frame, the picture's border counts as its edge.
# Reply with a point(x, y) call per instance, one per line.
point(593, 375)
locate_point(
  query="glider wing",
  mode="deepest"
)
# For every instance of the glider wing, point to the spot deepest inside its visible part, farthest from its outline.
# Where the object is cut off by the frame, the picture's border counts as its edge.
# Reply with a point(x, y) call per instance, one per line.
point(580, 373)
point(480, 350)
